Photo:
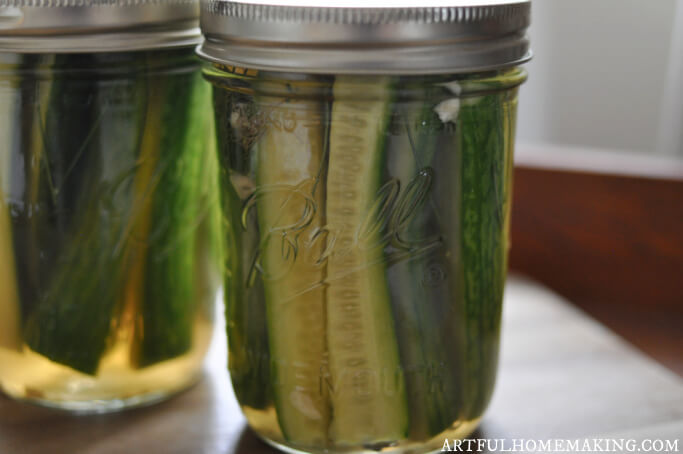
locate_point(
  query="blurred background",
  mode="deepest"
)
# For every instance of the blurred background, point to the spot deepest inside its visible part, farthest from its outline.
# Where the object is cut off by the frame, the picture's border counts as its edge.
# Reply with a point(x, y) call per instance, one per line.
point(607, 74)
point(598, 210)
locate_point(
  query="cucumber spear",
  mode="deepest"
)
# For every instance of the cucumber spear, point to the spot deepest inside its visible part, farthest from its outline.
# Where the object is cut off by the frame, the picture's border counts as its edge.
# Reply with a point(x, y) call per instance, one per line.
point(426, 315)
point(70, 321)
point(368, 400)
point(175, 206)
point(484, 139)
point(290, 212)
point(245, 312)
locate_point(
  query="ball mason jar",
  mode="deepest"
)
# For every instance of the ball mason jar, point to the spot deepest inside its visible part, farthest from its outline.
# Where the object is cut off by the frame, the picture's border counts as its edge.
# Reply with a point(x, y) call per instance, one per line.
point(109, 221)
point(366, 169)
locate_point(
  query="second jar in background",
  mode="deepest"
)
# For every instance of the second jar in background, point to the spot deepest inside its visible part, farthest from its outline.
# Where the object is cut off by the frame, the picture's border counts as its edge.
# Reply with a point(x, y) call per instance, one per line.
point(109, 234)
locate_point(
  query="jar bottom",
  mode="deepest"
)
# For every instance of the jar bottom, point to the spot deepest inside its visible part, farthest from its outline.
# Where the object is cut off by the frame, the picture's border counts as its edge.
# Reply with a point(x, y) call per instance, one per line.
point(104, 405)
point(119, 384)
point(261, 423)
point(105, 402)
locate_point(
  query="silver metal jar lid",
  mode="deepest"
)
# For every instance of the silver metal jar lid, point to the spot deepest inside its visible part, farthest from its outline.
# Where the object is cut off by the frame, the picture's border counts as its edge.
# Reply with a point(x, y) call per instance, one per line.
point(60, 26)
point(366, 36)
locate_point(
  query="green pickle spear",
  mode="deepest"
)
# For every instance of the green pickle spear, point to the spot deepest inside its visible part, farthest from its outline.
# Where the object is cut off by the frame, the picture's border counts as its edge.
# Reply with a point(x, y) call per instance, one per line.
point(424, 310)
point(484, 142)
point(368, 399)
point(177, 207)
point(71, 318)
point(245, 312)
point(289, 205)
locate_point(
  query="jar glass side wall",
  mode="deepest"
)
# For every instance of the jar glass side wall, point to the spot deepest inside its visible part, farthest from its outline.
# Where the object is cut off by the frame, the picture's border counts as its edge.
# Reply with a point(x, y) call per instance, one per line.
point(367, 223)
point(109, 227)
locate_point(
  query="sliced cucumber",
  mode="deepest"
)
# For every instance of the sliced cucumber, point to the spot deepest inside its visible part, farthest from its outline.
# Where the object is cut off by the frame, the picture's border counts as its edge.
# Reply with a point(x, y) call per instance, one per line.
point(425, 314)
point(368, 397)
point(484, 141)
point(245, 311)
point(290, 212)
point(177, 208)
point(68, 319)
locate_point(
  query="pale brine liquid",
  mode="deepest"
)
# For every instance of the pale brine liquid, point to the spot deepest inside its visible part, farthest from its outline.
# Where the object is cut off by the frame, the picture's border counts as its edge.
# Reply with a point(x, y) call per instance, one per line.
point(118, 383)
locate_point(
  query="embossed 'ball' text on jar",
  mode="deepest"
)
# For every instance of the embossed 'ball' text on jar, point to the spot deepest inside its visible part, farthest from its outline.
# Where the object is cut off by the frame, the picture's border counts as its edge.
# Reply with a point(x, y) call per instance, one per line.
point(109, 217)
point(366, 165)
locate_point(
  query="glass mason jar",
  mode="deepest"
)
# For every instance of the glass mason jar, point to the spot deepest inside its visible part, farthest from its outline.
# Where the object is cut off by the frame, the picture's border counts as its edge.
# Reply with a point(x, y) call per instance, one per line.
point(109, 221)
point(365, 187)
